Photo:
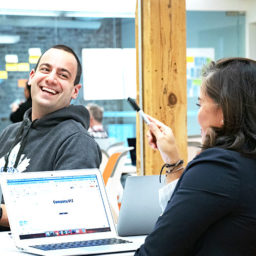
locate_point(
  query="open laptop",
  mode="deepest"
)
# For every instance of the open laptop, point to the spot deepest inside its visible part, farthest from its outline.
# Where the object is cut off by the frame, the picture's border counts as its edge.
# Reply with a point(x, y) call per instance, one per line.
point(61, 209)
point(140, 207)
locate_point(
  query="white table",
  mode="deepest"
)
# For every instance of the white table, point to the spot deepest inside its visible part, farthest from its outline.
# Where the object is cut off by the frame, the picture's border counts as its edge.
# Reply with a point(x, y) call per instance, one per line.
point(8, 248)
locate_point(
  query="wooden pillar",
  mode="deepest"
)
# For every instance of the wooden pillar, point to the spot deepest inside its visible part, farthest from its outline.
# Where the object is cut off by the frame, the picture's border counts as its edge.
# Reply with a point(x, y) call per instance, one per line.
point(161, 91)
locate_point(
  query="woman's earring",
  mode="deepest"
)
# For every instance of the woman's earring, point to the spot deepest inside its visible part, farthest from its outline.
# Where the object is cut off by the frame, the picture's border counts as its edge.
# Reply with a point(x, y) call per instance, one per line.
point(222, 122)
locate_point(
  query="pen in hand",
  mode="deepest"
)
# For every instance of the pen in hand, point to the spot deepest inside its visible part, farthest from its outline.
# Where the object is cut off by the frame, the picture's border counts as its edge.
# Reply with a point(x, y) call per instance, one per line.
point(140, 111)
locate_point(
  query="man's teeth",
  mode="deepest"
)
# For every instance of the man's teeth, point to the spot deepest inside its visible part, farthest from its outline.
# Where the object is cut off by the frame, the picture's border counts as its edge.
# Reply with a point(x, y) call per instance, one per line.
point(49, 90)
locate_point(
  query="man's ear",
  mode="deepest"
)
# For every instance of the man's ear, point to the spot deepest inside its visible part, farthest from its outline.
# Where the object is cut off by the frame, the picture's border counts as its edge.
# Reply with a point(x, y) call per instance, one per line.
point(31, 75)
point(75, 92)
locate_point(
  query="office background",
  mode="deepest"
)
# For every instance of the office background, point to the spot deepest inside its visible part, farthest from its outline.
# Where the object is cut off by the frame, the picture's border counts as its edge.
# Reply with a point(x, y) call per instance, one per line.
point(211, 34)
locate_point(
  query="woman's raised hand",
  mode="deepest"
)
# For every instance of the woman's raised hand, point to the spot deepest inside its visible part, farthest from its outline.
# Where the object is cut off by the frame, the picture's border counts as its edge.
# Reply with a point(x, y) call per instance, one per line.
point(161, 137)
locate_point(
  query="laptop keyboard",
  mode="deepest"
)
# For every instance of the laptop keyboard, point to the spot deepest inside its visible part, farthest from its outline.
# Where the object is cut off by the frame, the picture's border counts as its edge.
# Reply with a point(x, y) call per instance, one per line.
point(99, 242)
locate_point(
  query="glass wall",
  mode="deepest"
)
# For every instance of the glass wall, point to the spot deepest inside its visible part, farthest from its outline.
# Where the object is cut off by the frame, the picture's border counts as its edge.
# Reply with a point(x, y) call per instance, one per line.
point(210, 36)
point(24, 36)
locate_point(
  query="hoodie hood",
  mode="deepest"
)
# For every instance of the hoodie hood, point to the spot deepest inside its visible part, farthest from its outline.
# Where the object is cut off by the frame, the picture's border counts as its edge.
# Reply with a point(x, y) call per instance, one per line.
point(78, 113)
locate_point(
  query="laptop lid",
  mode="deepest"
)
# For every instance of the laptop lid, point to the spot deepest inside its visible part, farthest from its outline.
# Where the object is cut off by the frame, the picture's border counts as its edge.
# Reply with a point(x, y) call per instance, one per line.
point(62, 205)
point(140, 207)
point(58, 206)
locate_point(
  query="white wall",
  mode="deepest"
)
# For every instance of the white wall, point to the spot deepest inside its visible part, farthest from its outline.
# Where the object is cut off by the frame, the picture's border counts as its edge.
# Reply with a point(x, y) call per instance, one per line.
point(251, 12)
point(248, 6)
point(91, 8)
point(123, 6)
point(126, 8)
point(218, 5)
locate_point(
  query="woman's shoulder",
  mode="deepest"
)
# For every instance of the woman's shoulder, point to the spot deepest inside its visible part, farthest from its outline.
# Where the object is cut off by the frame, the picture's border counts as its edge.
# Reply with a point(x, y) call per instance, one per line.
point(214, 169)
point(217, 155)
point(219, 159)
point(224, 158)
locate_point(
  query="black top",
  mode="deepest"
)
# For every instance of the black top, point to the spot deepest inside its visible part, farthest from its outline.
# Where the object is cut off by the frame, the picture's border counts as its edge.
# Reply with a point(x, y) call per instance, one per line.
point(212, 211)
point(18, 115)
point(56, 141)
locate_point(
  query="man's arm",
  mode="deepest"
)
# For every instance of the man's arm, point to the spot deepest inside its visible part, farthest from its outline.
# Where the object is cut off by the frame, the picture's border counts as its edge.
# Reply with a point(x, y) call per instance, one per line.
point(4, 219)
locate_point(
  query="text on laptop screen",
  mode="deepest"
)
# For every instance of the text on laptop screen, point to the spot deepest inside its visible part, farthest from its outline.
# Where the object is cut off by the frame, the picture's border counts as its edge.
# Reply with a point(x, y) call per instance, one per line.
point(54, 202)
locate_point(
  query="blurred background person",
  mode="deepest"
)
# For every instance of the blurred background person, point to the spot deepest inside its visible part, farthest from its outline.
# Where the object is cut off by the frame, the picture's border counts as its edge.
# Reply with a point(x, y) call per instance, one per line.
point(18, 110)
point(96, 128)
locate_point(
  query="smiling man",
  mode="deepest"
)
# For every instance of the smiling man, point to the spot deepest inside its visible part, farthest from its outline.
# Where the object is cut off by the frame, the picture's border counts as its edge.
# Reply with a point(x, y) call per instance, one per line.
point(53, 134)
point(54, 81)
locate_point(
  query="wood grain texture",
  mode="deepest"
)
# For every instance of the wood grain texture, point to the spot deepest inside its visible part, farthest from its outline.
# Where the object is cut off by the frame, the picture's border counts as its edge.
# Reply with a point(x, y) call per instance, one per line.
point(163, 73)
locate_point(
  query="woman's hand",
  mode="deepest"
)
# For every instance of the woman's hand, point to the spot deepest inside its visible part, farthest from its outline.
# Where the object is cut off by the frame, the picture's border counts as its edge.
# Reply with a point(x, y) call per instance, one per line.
point(161, 137)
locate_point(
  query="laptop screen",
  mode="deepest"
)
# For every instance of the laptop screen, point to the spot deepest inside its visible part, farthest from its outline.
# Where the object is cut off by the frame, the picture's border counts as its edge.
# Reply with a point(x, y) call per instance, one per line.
point(58, 206)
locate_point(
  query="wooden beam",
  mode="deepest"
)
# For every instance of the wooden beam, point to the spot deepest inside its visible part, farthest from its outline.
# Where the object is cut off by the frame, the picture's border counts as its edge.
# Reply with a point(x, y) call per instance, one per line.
point(163, 72)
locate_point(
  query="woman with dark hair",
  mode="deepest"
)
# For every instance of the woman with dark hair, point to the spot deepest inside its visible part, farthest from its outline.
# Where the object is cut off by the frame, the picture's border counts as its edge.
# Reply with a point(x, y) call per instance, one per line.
point(212, 211)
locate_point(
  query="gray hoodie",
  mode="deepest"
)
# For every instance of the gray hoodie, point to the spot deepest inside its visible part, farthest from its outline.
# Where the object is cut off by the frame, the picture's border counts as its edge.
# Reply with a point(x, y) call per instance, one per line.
point(57, 141)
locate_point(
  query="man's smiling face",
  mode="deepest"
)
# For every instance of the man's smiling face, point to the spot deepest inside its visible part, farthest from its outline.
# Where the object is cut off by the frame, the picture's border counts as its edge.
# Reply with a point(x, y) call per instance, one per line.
point(52, 83)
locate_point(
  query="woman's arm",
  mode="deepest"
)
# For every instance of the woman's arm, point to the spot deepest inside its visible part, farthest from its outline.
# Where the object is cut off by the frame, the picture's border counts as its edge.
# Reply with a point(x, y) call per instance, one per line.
point(206, 193)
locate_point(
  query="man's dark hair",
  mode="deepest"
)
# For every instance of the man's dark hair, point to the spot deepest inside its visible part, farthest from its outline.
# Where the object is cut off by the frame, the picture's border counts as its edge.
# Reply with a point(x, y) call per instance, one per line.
point(66, 49)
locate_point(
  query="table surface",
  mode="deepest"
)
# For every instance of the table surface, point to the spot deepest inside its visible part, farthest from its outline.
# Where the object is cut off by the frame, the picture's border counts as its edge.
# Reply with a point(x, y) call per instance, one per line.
point(8, 247)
